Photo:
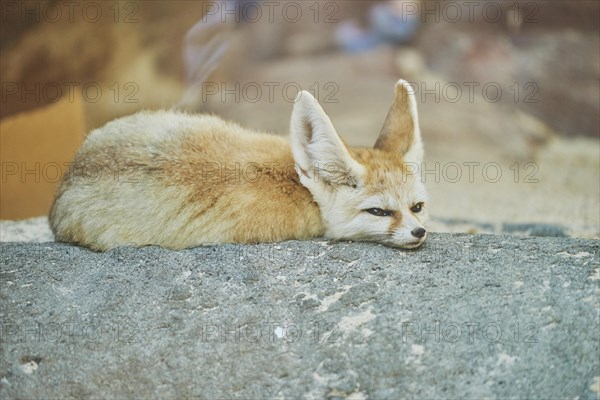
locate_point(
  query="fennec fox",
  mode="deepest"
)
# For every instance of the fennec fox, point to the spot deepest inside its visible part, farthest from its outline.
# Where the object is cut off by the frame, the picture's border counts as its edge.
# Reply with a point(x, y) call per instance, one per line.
point(177, 180)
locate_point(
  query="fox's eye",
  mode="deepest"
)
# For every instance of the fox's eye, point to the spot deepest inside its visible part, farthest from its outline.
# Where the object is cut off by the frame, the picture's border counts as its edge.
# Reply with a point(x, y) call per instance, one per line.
point(378, 212)
point(417, 208)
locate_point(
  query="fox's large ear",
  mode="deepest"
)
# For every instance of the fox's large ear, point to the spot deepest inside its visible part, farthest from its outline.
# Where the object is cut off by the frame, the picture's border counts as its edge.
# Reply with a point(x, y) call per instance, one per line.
point(400, 132)
point(318, 150)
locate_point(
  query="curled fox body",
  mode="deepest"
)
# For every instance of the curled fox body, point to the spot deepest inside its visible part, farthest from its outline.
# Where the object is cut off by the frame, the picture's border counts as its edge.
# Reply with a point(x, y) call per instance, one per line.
point(178, 180)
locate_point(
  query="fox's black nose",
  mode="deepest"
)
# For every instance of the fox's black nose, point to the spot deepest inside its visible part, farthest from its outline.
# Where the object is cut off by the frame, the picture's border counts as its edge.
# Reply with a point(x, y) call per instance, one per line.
point(418, 232)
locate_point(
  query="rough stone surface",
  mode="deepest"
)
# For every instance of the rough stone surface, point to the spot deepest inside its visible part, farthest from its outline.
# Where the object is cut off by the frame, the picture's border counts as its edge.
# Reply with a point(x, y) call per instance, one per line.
point(464, 317)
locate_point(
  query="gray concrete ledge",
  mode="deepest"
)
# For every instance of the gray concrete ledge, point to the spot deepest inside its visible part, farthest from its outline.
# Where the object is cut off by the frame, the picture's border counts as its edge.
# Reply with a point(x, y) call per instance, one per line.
point(464, 317)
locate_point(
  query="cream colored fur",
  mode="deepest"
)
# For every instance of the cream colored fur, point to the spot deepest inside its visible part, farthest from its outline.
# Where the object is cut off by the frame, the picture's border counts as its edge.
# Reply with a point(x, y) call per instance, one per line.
point(177, 180)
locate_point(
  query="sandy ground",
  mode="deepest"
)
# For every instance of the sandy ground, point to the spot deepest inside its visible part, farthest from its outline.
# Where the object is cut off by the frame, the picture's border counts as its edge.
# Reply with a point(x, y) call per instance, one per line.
point(560, 188)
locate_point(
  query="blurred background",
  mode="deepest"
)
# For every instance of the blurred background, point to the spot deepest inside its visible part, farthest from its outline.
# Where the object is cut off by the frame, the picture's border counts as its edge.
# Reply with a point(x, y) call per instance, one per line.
point(508, 92)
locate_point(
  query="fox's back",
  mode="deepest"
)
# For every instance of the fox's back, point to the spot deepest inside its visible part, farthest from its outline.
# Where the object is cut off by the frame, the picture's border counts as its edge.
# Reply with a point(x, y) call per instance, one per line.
point(177, 138)
point(180, 180)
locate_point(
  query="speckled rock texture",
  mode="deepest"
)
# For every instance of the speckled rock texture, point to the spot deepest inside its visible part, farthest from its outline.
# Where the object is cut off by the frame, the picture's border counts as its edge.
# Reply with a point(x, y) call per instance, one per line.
point(466, 316)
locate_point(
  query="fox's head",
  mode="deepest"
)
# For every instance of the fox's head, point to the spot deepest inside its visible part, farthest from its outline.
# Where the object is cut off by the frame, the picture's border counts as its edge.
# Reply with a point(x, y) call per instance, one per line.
point(364, 194)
